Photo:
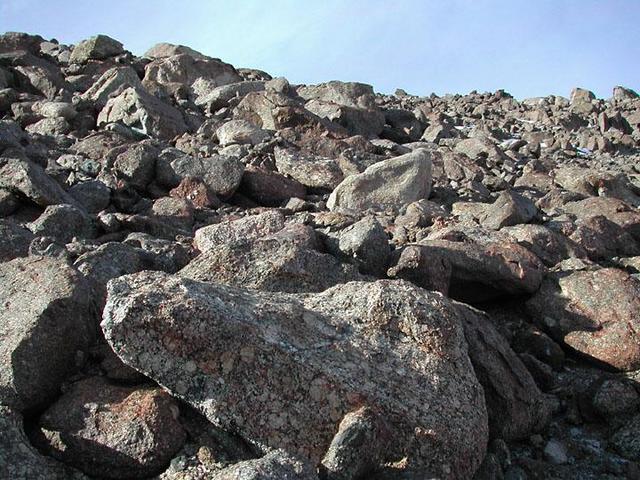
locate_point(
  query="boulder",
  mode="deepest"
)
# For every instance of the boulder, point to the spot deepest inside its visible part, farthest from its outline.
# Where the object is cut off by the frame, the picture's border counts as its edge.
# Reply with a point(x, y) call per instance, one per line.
point(110, 82)
point(29, 179)
point(596, 313)
point(220, 96)
point(98, 47)
point(365, 244)
point(508, 209)
point(239, 230)
point(63, 223)
point(276, 263)
point(14, 240)
point(275, 465)
point(311, 171)
point(47, 318)
point(220, 173)
point(481, 272)
point(112, 431)
point(548, 245)
point(389, 184)
point(284, 370)
point(515, 406)
point(269, 188)
point(349, 104)
point(19, 460)
point(240, 132)
point(183, 73)
point(144, 113)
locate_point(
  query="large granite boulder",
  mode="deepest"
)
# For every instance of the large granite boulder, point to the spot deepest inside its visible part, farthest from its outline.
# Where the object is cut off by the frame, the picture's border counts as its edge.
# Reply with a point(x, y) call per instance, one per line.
point(284, 370)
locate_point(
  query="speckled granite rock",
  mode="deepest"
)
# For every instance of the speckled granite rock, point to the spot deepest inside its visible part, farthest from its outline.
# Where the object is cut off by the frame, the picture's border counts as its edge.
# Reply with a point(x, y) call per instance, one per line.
point(283, 370)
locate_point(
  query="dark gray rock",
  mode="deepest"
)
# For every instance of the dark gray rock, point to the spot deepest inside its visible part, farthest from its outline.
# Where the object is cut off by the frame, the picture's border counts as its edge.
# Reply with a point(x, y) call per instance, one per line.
point(19, 460)
point(47, 318)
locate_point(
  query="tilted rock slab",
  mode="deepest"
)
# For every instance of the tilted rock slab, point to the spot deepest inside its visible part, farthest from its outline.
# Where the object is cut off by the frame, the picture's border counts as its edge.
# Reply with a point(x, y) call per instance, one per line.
point(283, 370)
point(594, 312)
point(389, 184)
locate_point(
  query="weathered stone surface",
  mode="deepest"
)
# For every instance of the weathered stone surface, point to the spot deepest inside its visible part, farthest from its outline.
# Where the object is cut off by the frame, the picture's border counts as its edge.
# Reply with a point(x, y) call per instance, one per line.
point(30, 180)
point(508, 209)
point(240, 132)
point(355, 449)
point(144, 113)
point(47, 316)
point(594, 312)
point(63, 222)
point(549, 246)
point(272, 263)
point(185, 72)
point(232, 231)
point(110, 82)
point(365, 243)
point(627, 439)
point(19, 460)
point(93, 195)
point(275, 465)
point(349, 104)
point(14, 240)
point(310, 170)
point(112, 431)
point(95, 48)
point(515, 406)
point(481, 272)
point(269, 188)
point(221, 173)
point(415, 264)
point(394, 348)
point(108, 261)
point(390, 183)
point(220, 96)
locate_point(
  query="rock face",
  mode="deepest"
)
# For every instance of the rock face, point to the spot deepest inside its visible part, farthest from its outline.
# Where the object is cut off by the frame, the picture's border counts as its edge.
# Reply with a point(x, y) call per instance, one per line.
point(47, 316)
point(111, 431)
point(278, 391)
point(20, 460)
point(273, 263)
point(390, 184)
point(515, 405)
point(143, 112)
point(594, 312)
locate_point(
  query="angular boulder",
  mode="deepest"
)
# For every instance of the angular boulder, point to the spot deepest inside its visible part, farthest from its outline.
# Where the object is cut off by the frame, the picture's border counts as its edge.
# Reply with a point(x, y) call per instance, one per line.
point(112, 431)
point(98, 47)
point(276, 263)
point(389, 184)
point(144, 113)
point(47, 316)
point(284, 370)
point(594, 312)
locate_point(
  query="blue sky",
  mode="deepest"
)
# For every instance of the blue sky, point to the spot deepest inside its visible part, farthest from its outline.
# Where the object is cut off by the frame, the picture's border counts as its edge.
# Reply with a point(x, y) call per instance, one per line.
point(529, 48)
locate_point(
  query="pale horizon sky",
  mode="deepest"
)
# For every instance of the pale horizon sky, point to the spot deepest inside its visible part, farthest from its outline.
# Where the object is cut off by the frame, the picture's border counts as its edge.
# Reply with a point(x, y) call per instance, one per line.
point(528, 48)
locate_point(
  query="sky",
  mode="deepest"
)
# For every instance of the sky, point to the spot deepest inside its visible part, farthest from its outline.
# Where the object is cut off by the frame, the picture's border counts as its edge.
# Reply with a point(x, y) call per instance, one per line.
point(527, 47)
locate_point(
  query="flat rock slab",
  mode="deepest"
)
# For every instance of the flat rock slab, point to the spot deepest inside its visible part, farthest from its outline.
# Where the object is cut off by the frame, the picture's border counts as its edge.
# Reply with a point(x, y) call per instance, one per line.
point(283, 370)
